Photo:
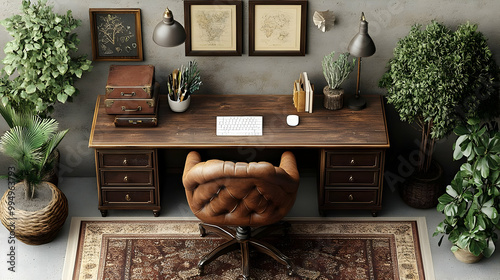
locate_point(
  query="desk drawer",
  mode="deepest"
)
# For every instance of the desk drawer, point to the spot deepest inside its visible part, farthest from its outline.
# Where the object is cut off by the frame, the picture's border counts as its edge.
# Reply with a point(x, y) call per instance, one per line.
point(124, 159)
point(352, 159)
point(351, 196)
point(128, 197)
point(354, 177)
point(127, 177)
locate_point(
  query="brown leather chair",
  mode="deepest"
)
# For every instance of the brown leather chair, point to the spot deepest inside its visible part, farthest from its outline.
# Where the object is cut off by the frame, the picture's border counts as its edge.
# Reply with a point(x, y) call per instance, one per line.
point(224, 194)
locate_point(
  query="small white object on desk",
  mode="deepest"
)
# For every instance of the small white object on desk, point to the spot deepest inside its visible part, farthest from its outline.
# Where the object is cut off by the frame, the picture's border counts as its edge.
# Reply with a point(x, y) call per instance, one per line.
point(292, 120)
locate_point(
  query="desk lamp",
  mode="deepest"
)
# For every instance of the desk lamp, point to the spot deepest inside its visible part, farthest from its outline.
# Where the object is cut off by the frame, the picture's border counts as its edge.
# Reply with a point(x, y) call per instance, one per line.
point(168, 32)
point(360, 46)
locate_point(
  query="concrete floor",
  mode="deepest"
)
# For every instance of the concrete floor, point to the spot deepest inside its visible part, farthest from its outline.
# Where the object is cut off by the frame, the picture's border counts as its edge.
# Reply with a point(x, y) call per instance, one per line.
point(46, 261)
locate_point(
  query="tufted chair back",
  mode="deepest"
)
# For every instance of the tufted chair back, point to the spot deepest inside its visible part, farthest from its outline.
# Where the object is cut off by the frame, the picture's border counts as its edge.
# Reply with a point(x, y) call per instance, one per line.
point(240, 194)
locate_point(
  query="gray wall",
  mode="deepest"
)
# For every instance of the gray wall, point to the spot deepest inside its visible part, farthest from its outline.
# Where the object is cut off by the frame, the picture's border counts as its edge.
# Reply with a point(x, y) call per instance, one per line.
point(388, 21)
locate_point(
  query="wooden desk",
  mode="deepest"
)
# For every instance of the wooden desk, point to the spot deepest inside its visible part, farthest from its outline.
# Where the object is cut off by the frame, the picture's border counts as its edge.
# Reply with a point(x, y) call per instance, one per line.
point(352, 147)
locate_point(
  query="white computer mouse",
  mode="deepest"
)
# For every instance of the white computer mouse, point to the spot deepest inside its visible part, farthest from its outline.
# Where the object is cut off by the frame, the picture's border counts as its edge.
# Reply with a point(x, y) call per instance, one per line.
point(292, 120)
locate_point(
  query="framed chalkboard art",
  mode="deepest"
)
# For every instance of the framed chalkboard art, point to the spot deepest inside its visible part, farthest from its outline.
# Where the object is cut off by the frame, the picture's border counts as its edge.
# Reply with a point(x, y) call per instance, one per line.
point(116, 34)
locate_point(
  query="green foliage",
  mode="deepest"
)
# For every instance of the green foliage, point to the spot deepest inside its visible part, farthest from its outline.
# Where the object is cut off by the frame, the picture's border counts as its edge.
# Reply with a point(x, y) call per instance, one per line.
point(191, 77)
point(471, 202)
point(38, 69)
point(336, 71)
point(30, 142)
point(439, 78)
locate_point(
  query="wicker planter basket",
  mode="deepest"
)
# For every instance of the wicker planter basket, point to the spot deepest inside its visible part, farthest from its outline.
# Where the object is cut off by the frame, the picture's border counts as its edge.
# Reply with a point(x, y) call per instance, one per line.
point(35, 227)
point(423, 192)
point(467, 257)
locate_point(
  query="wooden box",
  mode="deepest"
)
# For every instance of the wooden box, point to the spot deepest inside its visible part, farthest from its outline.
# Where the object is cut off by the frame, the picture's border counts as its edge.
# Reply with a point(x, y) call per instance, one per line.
point(130, 82)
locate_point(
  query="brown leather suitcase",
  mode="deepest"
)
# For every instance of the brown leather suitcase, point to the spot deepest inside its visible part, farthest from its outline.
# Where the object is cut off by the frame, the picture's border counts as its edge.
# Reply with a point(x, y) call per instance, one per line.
point(136, 106)
point(136, 120)
point(130, 81)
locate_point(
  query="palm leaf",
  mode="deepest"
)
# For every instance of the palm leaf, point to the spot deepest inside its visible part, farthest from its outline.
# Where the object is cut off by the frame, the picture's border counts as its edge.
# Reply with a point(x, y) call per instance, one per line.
point(12, 117)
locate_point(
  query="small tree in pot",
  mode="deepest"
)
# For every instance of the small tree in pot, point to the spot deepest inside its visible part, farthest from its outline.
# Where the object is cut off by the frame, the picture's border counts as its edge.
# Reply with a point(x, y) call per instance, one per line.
point(336, 72)
point(39, 70)
point(30, 142)
point(471, 203)
point(437, 79)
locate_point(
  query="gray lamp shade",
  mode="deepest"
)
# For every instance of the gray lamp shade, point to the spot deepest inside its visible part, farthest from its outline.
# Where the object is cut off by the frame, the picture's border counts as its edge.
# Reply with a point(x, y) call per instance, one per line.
point(362, 44)
point(168, 32)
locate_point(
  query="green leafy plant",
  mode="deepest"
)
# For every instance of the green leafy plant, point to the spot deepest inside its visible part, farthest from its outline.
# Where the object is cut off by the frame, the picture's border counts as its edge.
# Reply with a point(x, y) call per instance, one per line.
point(438, 79)
point(30, 142)
point(39, 70)
point(337, 70)
point(471, 202)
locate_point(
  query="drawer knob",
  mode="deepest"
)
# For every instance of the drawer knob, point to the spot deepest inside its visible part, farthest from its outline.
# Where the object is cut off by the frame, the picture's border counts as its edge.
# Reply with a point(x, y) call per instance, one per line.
point(351, 178)
point(353, 161)
point(127, 197)
point(350, 197)
point(125, 179)
point(125, 162)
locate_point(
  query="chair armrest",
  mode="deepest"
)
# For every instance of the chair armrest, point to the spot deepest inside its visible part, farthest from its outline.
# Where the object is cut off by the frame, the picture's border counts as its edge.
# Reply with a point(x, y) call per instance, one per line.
point(192, 159)
point(289, 165)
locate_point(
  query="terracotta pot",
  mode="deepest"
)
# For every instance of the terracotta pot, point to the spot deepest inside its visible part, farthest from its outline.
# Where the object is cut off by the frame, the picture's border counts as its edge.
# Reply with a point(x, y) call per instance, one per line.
point(34, 227)
point(466, 257)
point(334, 98)
point(423, 190)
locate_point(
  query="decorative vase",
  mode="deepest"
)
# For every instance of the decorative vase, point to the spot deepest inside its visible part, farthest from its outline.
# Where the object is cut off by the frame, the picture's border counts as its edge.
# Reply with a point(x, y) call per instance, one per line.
point(34, 227)
point(422, 190)
point(334, 98)
point(467, 257)
point(179, 106)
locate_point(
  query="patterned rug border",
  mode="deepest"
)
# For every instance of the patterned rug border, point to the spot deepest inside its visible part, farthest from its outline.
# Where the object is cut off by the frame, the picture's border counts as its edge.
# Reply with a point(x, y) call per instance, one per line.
point(73, 238)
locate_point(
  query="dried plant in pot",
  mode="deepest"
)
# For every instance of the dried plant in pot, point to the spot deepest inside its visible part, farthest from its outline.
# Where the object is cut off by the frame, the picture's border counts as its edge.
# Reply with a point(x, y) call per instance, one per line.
point(336, 72)
point(472, 201)
point(32, 209)
point(437, 79)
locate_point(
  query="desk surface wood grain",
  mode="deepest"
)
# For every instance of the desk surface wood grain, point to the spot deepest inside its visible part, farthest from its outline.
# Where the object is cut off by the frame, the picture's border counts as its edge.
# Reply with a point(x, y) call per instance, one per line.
point(195, 128)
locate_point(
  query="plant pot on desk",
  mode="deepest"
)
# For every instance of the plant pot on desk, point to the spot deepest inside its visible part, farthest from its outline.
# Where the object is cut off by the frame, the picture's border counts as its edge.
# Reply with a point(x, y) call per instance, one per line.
point(179, 106)
point(334, 98)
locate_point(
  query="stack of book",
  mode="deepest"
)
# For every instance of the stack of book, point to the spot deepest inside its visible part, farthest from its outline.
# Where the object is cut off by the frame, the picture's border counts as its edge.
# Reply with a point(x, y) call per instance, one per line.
point(132, 95)
point(303, 93)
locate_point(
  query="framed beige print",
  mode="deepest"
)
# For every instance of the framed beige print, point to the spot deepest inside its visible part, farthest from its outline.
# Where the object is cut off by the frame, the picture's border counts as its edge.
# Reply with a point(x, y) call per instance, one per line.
point(116, 34)
point(213, 27)
point(277, 27)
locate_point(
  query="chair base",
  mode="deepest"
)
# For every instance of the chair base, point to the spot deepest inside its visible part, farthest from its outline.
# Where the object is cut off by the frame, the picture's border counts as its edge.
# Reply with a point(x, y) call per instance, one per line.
point(243, 238)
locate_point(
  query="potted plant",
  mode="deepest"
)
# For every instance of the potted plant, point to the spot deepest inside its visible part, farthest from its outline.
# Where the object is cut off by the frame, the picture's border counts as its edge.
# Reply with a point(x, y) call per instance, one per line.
point(181, 84)
point(35, 217)
point(335, 72)
point(472, 200)
point(437, 79)
point(39, 70)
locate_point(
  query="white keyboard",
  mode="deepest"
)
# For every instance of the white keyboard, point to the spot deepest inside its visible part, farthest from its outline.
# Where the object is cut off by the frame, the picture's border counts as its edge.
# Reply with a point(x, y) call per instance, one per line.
point(239, 126)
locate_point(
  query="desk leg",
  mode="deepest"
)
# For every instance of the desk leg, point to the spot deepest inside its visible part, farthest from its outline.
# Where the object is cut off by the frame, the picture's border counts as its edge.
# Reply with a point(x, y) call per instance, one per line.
point(156, 213)
point(104, 213)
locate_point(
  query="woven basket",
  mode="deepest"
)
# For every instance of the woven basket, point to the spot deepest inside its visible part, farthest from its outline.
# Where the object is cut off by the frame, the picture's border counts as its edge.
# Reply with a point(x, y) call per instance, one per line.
point(423, 193)
point(35, 227)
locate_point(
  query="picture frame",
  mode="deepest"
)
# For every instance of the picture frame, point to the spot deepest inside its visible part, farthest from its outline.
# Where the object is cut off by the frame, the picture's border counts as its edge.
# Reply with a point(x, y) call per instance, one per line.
point(277, 27)
point(116, 34)
point(213, 27)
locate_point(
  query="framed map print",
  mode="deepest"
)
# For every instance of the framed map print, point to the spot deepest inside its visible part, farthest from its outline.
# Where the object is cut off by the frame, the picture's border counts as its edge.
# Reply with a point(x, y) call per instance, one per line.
point(213, 27)
point(116, 34)
point(277, 27)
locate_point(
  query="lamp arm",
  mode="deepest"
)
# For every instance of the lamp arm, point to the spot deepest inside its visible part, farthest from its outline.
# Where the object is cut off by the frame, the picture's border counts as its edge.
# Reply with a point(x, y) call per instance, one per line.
point(358, 79)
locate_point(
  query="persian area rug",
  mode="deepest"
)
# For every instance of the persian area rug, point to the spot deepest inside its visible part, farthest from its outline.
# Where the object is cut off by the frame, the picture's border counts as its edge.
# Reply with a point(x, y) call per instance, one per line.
point(320, 248)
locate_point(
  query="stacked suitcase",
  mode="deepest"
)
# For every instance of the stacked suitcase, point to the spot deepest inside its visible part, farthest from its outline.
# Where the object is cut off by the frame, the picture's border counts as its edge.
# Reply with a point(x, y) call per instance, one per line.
point(132, 95)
